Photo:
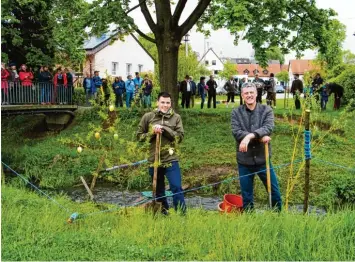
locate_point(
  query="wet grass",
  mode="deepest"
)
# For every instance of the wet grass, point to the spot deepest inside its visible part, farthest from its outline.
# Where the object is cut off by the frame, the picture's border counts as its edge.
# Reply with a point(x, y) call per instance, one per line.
point(35, 229)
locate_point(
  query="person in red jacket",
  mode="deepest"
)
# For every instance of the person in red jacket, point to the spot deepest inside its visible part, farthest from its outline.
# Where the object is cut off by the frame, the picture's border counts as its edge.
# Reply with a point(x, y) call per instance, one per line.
point(60, 87)
point(26, 78)
point(4, 84)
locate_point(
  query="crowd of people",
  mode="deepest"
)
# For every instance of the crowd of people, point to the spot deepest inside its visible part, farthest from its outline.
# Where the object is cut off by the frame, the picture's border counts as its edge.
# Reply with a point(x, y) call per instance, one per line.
point(319, 90)
point(23, 85)
point(232, 86)
point(189, 90)
point(138, 89)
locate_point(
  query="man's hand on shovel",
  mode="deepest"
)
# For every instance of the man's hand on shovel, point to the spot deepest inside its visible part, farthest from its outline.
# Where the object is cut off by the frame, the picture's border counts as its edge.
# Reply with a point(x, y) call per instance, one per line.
point(157, 129)
point(266, 139)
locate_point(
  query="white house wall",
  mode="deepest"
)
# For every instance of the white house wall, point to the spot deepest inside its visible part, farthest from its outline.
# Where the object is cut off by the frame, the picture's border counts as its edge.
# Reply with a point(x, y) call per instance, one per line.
point(123, 53)
point(210, 56)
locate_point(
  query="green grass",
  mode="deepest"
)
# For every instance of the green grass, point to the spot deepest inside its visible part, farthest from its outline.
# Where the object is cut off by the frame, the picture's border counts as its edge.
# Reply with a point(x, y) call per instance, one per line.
point(34, 229)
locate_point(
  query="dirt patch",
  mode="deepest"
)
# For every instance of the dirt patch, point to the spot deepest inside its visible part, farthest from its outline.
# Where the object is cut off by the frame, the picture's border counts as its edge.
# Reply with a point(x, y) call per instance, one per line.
point(209, 174)
point(39, 130)
point(112, 116)
point(295, 120)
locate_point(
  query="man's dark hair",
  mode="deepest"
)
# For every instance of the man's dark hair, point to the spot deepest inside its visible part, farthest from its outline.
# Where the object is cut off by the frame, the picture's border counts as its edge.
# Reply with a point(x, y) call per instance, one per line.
point(137, 73)
point(272, 75)
point(298, 75)
point(202, 78)
point(187, 77)
point(164, 94)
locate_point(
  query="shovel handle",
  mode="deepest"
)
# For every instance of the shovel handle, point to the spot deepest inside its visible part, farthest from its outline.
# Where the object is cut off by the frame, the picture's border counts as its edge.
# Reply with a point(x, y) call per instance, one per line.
point(268, 180)
point(156, 164)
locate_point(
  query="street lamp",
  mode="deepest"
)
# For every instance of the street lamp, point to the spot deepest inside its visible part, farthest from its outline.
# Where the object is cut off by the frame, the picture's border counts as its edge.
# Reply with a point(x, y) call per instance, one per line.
point(186, 39)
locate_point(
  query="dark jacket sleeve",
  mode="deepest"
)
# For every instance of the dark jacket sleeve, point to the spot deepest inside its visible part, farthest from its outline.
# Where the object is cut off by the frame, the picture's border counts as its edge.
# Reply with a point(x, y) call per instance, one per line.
point(237, 129)
point(267, 125)
point(177, 134)
point(143, 129)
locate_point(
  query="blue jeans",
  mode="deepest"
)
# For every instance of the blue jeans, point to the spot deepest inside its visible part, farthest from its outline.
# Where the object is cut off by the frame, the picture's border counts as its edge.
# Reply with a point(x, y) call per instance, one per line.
point(202, 100)
point(88, 96)
point(129, 97)
point(173, 174)
point(247, 185)
point(146, 101)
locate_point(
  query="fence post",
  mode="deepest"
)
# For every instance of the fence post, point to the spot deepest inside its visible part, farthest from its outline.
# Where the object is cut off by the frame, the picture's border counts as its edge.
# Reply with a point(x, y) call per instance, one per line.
point(307, 151)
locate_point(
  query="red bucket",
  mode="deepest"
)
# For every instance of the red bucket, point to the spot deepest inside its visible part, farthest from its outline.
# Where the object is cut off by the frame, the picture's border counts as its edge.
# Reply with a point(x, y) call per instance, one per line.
point(233, 202)
point(222, 209)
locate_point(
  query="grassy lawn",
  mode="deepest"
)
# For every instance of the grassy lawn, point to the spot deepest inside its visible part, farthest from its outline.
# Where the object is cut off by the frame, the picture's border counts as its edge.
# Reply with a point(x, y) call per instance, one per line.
point(34, 229)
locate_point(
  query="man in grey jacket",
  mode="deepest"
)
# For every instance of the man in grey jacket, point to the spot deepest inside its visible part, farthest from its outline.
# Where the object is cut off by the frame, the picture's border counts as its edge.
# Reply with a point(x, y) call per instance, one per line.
point(252, 124)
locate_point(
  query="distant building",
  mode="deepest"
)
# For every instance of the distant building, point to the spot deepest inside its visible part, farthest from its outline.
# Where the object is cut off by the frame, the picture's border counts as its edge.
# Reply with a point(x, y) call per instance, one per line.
point(250, 70)
point(300, 66)
point(212, 62)
point(117, 58)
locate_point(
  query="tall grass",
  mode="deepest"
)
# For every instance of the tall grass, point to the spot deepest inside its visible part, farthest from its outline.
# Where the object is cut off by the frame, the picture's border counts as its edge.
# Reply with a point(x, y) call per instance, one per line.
point(34, 229)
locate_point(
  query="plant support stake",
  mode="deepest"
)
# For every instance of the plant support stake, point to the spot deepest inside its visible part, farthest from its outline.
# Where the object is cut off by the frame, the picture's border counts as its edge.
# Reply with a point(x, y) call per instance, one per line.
point(307, 152)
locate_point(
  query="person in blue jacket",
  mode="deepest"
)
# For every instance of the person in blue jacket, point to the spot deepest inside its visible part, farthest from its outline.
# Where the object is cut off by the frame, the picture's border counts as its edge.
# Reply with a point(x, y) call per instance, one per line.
point(202, 89)
point(138, 84)
point(97, 83)
point(88, 85)
point(119, 88)
point(130, 88)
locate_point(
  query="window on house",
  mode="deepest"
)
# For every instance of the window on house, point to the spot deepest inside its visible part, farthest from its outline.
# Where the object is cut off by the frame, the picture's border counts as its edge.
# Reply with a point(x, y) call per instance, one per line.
point(140, 68)
point(256, 71)
point(216, 72)
point(128, 69)
point(114, 68)
point(265, 72)
point(246, 71)
point(214, 62)
point(206, 62)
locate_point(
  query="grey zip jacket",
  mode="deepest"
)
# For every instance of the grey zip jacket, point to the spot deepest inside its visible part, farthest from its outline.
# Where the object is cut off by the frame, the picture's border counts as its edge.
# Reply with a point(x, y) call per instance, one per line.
point(260, 121)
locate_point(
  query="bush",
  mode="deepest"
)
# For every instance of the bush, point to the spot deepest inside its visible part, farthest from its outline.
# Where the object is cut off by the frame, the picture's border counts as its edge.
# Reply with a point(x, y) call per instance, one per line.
point(79, 96)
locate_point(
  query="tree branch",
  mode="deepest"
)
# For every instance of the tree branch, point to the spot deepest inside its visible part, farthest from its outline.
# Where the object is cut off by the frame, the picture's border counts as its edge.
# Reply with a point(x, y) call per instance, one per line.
point(135, 7)
point(195, 15)
point(148, 17)
point(145, 36)
point(178, 11)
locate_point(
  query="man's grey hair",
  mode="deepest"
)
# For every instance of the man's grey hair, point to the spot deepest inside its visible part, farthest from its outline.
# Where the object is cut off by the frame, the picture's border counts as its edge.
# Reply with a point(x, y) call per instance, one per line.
point(248, 85)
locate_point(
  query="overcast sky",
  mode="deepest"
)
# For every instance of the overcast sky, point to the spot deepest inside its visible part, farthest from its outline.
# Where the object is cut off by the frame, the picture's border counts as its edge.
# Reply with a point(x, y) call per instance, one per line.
point(222, 42)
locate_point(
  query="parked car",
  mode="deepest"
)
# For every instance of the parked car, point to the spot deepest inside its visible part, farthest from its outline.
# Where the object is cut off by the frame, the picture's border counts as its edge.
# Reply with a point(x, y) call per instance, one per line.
point(280, 89)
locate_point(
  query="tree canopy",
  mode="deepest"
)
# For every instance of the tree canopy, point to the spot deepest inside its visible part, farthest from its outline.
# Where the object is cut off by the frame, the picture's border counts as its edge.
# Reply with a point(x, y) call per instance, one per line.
point(287, 24)
point(41, 32)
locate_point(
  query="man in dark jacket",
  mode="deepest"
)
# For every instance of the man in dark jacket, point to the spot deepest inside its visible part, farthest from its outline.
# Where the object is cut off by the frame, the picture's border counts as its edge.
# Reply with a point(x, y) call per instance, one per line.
point(317, 86)
point(297, 90)
point(70, 84)
point(231, 87)
point(338, 91)
point(185, 89)
point(252, 124)
point(212, 91)
point(46, 86)
point(193, 91)
point(259, 83)
point(168, 124)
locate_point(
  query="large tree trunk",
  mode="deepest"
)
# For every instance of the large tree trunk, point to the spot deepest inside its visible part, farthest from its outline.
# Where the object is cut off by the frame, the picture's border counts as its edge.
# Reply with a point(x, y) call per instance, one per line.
point(168, 52)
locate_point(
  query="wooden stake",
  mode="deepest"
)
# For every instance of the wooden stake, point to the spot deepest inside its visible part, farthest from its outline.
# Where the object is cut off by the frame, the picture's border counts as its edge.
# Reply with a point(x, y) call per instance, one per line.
point(268, 179)
point(87, 188)
point(307, 168)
